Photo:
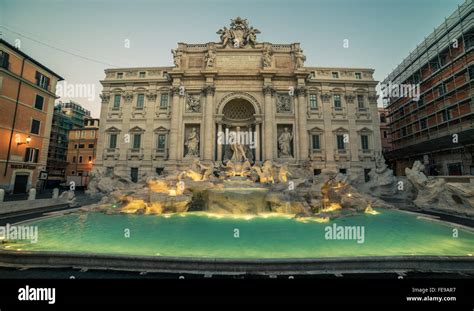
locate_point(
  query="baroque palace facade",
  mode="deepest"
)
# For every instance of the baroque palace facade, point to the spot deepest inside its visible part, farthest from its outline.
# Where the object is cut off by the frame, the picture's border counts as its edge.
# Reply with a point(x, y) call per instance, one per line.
point(164, 118)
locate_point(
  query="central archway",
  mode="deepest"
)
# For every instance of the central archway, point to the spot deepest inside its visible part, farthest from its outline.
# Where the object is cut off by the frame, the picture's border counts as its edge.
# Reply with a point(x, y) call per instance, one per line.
point(238, 95)
point(238, 118)
point(238, 110)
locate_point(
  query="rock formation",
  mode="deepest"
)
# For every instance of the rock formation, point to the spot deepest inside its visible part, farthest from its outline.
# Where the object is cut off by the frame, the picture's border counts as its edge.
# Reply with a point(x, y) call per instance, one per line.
point(382, 183)
point(239, 189)
point(435, 194)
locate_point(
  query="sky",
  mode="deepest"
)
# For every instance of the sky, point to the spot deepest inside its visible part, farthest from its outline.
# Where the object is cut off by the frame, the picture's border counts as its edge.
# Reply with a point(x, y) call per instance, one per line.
point(78, 39)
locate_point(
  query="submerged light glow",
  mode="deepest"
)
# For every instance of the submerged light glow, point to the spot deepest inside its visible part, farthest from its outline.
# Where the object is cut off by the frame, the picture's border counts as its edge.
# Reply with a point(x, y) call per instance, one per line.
point(391, 233)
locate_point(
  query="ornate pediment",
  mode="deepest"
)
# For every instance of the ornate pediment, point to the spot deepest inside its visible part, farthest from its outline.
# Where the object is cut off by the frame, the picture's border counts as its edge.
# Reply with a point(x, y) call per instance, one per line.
point(112, 129)
point(239, 34)
point(316, 130)
point(161, 129)
point(364, 130)
point(136, 129)
point(340, 130)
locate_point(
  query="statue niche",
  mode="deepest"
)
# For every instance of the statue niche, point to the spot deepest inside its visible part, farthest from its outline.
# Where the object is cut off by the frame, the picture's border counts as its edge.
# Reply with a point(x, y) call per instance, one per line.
point(238, 137)
point(238, 147)
point(191, 142)
point(285, 139)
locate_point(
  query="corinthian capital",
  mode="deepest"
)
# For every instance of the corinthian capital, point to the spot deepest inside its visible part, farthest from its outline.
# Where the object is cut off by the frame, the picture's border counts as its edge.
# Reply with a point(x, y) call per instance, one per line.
point(178, 90)
point(301, 91)
point(268, 90)
point(208, 90)
point(105, 98)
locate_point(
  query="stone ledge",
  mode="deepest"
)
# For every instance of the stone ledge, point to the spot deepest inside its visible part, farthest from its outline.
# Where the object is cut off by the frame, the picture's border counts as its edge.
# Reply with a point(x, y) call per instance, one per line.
point(16, 208)
point(382, 264)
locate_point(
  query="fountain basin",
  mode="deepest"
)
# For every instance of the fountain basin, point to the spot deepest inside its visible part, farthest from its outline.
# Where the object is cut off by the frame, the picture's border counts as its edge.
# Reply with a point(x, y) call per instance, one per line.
point(272, 236)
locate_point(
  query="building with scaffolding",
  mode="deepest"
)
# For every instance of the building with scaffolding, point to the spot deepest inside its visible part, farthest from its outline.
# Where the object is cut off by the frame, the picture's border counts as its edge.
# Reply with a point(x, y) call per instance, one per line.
point(437, 125)
point(67, 116)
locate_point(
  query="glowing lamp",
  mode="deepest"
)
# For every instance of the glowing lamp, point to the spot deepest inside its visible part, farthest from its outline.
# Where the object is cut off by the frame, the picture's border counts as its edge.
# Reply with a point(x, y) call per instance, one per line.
point(19, 142)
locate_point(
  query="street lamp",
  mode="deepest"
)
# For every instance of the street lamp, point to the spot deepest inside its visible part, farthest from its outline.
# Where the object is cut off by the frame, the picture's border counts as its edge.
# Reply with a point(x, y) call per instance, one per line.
point(19, 142)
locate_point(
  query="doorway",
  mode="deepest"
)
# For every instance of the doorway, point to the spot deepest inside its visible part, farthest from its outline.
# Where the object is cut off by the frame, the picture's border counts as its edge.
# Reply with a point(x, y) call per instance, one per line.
point(455, 169)
point(21, 183)
point(134, 174)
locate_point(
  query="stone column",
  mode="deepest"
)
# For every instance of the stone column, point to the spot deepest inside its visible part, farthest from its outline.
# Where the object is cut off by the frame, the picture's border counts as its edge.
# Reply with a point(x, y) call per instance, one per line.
point(302, 128)
point(173, 152)
point(181, 127)
point(208, 122)
point(268, 91)
point(329, 135)
point(257, 139)
point(2, 195)
point(219, 146)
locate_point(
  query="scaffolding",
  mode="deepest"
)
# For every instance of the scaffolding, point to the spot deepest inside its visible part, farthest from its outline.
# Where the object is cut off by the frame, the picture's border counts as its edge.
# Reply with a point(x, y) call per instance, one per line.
point(443, 60)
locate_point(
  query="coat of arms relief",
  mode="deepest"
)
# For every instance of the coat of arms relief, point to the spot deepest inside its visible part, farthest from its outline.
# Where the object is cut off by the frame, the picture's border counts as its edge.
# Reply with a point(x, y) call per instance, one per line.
point(239, 34)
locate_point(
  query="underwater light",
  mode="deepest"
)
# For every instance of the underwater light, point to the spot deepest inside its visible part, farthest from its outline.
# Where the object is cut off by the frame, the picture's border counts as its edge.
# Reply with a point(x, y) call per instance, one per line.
point(370, 210)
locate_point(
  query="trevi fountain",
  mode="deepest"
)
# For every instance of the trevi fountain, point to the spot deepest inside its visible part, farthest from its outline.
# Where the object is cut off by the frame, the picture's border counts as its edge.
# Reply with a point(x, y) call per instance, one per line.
point(245, 217)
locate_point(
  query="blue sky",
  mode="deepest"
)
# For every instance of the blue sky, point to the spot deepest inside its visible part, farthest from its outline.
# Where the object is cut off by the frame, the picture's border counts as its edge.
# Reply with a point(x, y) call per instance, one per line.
point(380, 32)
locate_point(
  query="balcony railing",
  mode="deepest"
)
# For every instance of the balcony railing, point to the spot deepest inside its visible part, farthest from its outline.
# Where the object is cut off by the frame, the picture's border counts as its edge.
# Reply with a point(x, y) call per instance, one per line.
point(135, 153)
point(317, 155)
point(363, 113)
point(339, 111)
point(115, 112)
point(341, 154)
point(160, 153)
point(112, 153)
point(366, 154)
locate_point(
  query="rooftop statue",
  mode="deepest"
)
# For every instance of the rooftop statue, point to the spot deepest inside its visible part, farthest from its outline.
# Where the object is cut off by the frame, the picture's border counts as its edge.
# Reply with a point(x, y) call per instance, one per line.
point(239, 34)
point(176, 58)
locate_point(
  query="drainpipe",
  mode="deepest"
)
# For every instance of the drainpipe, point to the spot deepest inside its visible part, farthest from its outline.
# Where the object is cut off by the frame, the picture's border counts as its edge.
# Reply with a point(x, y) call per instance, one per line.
point(14, 118)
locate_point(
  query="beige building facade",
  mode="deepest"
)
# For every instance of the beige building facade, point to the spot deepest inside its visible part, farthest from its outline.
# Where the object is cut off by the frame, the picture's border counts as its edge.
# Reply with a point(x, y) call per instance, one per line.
point(163, 118)
point(81, 149)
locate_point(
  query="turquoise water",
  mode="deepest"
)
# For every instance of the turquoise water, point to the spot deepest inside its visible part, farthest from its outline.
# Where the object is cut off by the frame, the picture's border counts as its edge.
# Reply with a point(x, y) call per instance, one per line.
point(390, 233)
